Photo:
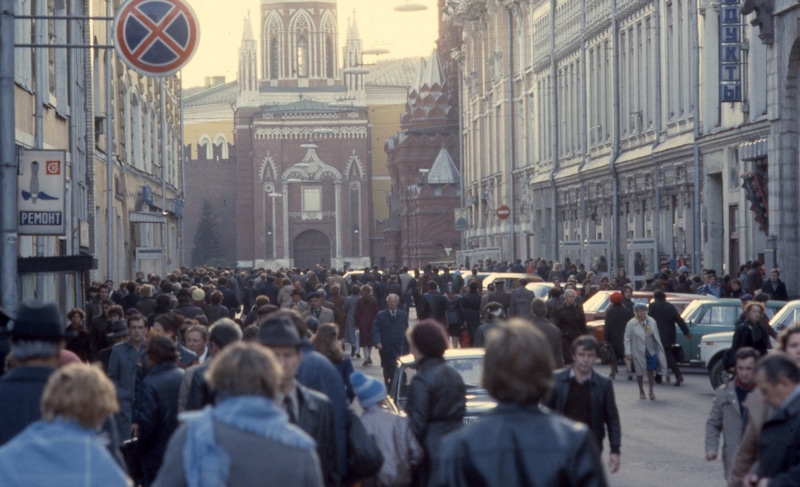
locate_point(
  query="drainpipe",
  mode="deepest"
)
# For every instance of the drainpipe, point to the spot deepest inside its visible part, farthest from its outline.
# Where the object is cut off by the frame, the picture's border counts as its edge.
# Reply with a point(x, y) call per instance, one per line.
point(584, 135)
point(615, 143)
point(182, 160)
point(41, 90)
point(511, 138)
point(461, 143)
point(657, 209)
point(554, 130)
point(164, 226)
point(89, 116)
point(696, 129)
point(110, 211)
point(74, 232)
point(8, 162)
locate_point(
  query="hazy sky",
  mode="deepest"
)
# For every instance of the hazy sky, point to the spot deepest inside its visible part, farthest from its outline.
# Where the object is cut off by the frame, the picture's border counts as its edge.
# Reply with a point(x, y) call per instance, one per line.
point(405, 34)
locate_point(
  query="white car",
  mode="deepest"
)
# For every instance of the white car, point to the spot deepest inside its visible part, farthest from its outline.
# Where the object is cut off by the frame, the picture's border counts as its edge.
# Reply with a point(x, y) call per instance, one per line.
point(714, 345)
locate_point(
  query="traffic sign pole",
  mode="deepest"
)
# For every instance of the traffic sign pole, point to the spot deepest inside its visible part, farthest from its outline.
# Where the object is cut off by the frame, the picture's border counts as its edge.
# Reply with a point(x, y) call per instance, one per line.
point(8, 162)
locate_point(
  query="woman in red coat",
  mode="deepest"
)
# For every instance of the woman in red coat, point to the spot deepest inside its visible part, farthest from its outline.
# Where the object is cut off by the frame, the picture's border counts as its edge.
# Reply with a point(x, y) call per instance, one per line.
point(365, 313)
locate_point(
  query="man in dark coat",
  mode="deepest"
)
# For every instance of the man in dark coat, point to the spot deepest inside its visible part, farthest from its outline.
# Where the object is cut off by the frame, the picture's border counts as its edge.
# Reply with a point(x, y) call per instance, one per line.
point(571, 320)
point(583, 395)
point(199, 393)
point(308, 409)
point(775, 287)
point(667, 316)
point(389, 335)
point(37, 337)
point(436, 303)
point(778, 378)
point(550, 331)
point(500, 295)
point(187, 310)
point(520, 300)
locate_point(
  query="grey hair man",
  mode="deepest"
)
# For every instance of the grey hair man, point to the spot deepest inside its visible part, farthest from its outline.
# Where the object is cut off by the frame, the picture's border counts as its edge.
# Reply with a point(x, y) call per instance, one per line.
point(199, 393)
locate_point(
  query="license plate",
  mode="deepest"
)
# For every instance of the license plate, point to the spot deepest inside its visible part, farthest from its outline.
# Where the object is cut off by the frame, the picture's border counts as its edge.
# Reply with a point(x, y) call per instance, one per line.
point(470, 419)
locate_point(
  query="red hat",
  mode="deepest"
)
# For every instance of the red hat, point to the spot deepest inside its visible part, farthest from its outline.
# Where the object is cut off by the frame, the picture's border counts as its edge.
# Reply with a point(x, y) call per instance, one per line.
point(616, 297)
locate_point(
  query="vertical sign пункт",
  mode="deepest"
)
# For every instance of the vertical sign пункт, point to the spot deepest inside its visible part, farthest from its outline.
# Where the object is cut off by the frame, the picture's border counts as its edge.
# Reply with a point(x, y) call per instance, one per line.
point(730, 52)
point(40, 200)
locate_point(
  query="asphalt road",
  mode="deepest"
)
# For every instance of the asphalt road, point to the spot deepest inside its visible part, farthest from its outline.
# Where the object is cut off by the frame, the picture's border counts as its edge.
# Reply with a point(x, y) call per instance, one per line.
point(662, 441)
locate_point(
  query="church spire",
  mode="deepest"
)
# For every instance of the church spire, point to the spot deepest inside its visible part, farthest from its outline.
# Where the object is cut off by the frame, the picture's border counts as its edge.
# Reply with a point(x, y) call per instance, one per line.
point(433, 74)
point(248, 75)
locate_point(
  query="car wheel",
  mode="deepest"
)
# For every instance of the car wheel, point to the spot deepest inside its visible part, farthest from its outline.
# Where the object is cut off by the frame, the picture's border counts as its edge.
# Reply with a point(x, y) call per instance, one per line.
point(717, 373)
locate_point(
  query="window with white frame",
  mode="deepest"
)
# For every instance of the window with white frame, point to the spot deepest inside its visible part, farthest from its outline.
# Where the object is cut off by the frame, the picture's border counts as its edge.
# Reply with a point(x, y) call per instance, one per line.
point(312, 199)
point(222, 142)
point(204, 148)
point(137, 142)
point(147, 138)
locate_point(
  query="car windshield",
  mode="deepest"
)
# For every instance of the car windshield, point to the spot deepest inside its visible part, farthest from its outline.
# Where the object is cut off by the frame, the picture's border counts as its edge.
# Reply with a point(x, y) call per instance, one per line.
point(783, 318)
point(597, 303)
point(469, 368)
point(692, 310)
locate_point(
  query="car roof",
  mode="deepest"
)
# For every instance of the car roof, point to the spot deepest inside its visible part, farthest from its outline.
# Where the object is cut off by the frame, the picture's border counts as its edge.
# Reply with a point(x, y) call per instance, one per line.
point(451, 353)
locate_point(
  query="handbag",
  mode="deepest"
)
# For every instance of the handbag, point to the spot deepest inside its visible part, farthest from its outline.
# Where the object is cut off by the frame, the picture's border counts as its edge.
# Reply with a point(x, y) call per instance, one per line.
point(133, 461)
point(607, 354)
point(677, 352)
point(364, 458)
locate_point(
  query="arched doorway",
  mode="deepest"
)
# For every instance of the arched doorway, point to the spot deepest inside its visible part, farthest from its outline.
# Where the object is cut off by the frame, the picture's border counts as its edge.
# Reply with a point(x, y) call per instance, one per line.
point(311, 247)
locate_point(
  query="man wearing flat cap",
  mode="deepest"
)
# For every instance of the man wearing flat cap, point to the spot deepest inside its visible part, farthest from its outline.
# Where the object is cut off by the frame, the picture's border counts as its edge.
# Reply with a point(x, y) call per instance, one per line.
point(308, 409)
point(37, 336)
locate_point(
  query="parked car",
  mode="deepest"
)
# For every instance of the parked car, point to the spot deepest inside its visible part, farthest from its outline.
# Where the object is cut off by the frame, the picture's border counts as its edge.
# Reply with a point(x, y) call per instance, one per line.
point(509, 278)
point(679, 300)
point(595, 307)
point(705, 316)
point(468, 362)
point(714, 346)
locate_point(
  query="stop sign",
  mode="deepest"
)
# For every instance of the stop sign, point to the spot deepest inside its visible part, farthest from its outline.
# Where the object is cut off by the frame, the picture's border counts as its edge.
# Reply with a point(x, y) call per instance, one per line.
point(503, 212)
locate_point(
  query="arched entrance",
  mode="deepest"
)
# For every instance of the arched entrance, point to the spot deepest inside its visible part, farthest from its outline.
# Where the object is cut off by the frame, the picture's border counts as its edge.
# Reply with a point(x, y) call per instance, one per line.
point(311, 247)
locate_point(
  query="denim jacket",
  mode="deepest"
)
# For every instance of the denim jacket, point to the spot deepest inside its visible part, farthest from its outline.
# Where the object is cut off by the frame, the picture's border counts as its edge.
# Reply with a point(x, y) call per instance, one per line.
point(59, 452)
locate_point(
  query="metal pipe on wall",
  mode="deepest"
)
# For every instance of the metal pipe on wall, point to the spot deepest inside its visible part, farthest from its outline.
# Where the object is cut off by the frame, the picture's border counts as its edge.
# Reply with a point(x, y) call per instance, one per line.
point(615, 144)
point(554, 130)
point(162, 95)
point(110, 212)
point(695, 71)
point(40, 67)
point(182, 160)
point(656, 186)
point(583, 122)
point(8, 161)
point(511, 136)
point(89, 116)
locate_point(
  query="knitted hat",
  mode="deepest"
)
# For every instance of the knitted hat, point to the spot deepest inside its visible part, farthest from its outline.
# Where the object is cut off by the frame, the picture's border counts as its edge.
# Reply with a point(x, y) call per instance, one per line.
point(198, 295)
point(430, 338)
point(369, 390)
point(616, 298)
point(638, 306)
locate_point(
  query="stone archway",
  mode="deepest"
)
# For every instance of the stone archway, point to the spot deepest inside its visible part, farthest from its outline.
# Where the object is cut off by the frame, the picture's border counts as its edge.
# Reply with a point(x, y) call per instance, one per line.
point(311, 247)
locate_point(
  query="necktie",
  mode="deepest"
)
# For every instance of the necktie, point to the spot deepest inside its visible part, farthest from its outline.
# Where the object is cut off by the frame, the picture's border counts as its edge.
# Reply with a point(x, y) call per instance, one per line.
point(316, 312)
point(392, 314)
point(288, 404)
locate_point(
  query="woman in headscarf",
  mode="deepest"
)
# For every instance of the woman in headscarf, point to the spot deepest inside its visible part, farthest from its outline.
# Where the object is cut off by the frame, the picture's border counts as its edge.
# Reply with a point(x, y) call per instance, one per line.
point(365, 313)
point(643, 347)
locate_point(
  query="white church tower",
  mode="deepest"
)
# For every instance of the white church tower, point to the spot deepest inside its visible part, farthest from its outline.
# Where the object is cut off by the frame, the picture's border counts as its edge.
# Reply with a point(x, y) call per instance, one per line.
point(354, 69)
point(248, 72)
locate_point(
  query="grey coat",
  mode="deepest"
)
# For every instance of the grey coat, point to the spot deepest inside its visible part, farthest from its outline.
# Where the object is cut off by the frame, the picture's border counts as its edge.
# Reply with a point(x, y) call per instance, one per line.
point(254, 459)
point(350, 309)
point(635, 345)
point(123, 366)
point(726, 418)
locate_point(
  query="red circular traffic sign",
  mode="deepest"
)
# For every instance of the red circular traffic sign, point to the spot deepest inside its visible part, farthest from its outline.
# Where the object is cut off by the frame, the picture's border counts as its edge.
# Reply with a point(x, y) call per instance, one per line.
point(156, 37)
point(503, 212)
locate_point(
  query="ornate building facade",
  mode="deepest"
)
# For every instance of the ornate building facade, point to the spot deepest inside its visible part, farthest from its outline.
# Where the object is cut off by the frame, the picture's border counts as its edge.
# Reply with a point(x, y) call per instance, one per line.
point(618, 130)
point(426, 182)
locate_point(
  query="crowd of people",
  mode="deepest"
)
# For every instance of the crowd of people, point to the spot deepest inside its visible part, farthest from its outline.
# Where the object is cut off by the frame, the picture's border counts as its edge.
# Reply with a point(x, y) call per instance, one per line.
point(222, 377)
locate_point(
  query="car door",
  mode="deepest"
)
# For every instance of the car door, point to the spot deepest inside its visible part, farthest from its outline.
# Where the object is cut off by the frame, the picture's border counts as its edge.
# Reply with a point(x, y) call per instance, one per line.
point(716, 318)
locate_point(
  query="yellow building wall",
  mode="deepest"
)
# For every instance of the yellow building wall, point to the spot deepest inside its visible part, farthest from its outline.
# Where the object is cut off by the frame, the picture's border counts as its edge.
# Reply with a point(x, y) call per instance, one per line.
point(194, 130)
point(385, 121)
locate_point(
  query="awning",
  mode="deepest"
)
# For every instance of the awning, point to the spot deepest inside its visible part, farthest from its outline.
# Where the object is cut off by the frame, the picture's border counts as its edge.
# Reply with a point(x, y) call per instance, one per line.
point(145, 217)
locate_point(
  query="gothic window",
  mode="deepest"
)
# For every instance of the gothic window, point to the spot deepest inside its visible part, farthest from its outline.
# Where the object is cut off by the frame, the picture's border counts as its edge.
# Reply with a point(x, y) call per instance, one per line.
point(222, 143)
point(275, 59)
point(148, 143)
point(302, 57)
point(204, 149)
point(328, 58)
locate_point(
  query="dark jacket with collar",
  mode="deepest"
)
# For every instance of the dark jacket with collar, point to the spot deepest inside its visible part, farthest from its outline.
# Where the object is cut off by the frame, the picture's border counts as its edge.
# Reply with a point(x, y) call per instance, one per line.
point(157, 413)
point(603, 407)
point(436, 306)
point(20, 397)
point(667, 316)
point(318, 372)
point(200, 393)
point(188, 310)
point(390, 331)
point(779, 447)
point(436, 406)
point(316, 418)
point(560, 453)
